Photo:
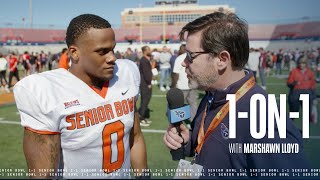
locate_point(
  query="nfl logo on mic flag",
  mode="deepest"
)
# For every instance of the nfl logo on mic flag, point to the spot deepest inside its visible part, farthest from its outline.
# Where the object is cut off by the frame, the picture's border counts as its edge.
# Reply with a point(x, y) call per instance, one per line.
point(179, 114)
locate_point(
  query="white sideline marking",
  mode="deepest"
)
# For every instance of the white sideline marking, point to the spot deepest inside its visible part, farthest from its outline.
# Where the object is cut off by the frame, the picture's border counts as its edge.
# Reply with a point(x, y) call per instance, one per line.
point(9, 122)
point(158, 95)
point(276, 84)
point(153, 131)
point(143, 130)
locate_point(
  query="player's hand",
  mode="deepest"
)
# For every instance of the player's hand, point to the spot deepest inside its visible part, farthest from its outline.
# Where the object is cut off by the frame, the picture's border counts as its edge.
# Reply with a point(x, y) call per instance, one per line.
point(172, 139)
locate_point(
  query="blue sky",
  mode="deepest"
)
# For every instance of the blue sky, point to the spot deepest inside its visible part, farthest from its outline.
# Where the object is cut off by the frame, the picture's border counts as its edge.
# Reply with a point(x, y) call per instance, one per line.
point(58, 13)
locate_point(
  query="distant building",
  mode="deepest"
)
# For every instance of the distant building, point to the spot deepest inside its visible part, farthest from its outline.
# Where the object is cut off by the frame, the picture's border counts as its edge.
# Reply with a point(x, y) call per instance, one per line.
point(176, 12)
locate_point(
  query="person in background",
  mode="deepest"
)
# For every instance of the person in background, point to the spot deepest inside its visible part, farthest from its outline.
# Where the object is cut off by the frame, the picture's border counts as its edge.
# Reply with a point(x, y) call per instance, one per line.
point(51, 58)
point(172, 63)
point(13, 68)
point(26, 63)
point(155, 66)
point(293, 63)
point(33, 64)
point(38, 62)
point(131, 55)
point(118, 55)
point(279, 61)
point(286, 59)
point(301, 80)
point(164, 60)
point(138, 54)
point(43, 61)
point(145, 86)
point(262, 67)
point(253, 62)
point(3, 70)
point(64, 59)
point(269, 61)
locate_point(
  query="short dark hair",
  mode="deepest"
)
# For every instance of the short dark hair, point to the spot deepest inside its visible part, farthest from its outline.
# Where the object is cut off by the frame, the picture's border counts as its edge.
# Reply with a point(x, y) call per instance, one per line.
point(82, 24)
point(182, 49)
point(144, 49)
point(64, 50)
point(220, 32)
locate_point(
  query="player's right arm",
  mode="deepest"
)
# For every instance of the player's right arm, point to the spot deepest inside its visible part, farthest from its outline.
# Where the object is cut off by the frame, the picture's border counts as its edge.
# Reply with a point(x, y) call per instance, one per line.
point(41, 141)
point(42, 153)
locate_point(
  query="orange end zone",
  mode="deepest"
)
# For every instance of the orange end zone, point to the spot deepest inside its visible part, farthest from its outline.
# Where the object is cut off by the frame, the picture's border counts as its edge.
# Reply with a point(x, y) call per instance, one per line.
point(6, 98)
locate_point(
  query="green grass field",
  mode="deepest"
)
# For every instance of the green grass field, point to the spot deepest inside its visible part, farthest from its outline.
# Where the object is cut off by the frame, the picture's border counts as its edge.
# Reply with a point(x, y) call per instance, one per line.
point(159, 158)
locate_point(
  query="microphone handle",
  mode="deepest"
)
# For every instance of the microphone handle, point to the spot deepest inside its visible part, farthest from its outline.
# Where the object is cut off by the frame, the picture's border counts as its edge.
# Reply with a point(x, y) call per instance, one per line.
point(179, 153)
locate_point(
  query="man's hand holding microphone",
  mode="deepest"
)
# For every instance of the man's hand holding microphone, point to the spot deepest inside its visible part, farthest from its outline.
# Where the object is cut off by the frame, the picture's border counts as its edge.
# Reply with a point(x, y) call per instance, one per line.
point(177, 133)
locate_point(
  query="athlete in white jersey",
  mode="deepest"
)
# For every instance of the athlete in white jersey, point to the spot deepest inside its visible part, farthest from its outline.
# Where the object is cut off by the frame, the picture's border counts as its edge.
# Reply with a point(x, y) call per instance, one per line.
point(88, 111)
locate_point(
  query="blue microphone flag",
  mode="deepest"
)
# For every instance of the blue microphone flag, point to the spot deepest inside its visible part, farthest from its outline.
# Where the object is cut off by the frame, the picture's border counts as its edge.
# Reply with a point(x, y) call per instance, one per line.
point(179, 114)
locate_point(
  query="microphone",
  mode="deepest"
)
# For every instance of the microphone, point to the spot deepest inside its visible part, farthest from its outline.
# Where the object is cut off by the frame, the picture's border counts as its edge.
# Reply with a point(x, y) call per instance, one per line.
point(177, 112)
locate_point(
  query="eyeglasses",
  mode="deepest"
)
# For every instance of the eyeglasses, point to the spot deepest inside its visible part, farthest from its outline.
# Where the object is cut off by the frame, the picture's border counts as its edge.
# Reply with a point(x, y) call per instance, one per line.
point(190, 55)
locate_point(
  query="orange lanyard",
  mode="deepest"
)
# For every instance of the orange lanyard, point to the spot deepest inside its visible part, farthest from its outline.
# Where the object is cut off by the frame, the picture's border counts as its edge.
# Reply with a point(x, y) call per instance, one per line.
point(221, 114)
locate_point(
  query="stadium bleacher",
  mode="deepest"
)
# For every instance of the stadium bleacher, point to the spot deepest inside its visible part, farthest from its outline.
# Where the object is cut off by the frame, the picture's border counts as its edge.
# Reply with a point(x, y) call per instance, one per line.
point(270, 36)
point(23, 36)
point(154, 33)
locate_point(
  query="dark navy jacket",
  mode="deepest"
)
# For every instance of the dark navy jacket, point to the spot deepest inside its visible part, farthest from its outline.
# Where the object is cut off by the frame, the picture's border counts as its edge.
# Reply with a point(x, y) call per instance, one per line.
point(215, 151)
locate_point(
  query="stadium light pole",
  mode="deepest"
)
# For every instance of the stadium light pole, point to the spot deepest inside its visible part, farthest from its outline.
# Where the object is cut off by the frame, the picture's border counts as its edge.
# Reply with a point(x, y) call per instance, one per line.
point(24, 22)
point(164, 26)
point(140, 27)
point(30, 13)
